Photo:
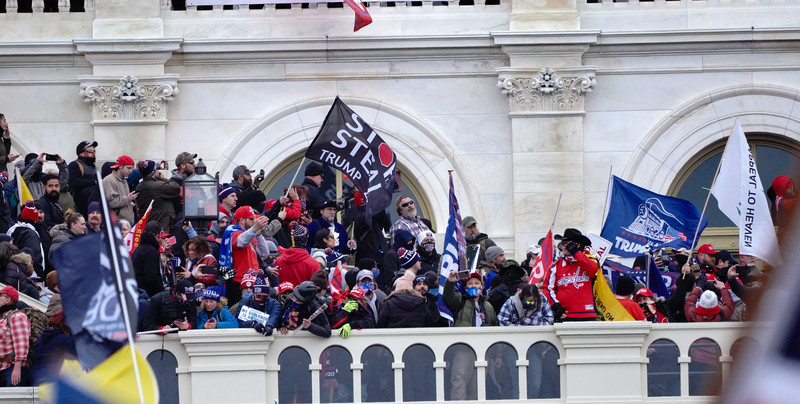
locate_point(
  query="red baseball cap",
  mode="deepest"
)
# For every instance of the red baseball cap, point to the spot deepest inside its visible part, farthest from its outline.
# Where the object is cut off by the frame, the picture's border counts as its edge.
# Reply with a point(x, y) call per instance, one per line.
point(285, 287)
point(644, 292)
point(11, 293)
point(244, 212)
point(706, 249)
point(122, 161)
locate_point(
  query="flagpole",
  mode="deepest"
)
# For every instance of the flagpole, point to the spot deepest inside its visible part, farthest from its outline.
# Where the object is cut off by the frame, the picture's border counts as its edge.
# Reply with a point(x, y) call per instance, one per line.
point(289, 188)
point(558, 204)
point(120, 287)
point(608, 191)
point(705, 205)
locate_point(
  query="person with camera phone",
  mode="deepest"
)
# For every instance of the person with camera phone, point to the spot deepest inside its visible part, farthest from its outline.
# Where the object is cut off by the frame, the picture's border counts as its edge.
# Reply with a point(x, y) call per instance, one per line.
point(154, 187)
point(35, 172)
point(568, 283)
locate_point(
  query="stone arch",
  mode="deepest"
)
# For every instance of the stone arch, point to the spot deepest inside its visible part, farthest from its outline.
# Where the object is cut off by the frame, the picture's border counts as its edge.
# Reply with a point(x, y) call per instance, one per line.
point(291, 128)
point(673, 142)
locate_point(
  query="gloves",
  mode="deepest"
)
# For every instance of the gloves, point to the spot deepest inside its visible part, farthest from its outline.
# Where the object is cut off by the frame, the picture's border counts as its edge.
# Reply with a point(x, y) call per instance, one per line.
point(350, 306)
point(558, 311)
point(227, 273)
point(267, 330)
point(344, 332)
point(573, 247)
point(258, 327)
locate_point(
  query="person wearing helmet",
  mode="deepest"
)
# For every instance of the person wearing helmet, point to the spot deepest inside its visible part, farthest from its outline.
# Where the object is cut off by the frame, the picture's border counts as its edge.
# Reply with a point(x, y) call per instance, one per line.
point(305, 310)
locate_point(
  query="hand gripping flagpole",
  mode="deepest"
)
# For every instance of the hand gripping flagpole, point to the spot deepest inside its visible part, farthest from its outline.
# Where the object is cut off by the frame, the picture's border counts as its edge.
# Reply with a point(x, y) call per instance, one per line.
point(115, 264)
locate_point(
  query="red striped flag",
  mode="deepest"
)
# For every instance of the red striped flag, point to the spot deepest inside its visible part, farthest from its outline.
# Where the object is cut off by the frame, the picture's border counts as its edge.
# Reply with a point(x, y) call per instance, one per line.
point(543, 261)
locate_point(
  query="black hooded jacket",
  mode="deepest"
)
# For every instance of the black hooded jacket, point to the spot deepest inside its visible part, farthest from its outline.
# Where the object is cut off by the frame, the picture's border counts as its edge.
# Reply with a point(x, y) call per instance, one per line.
point(405, 308)
point(147, 265)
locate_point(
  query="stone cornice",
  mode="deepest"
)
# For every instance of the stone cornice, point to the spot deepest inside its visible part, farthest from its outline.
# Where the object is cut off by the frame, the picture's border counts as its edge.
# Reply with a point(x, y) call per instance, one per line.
point(113, 52)
point(129, 100)
point(547, 91)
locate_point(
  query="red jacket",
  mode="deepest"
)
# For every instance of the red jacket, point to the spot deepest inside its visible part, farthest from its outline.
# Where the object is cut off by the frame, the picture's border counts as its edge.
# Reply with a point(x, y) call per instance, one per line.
point(569, 282)
point(296, 265)
point(690, 308)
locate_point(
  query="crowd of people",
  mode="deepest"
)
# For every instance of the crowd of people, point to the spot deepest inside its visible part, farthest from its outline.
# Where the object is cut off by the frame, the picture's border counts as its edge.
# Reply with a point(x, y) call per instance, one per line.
point(273, 265)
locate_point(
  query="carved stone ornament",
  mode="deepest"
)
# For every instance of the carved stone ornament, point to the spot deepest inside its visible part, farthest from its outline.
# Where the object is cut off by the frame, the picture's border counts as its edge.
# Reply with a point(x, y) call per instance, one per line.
point(130, 99)
point(547, 92)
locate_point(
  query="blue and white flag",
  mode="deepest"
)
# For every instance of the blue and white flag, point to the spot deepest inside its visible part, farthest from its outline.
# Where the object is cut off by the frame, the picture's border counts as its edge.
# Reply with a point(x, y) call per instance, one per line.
point(660, 282)
point(640, 220)
point(454, 256)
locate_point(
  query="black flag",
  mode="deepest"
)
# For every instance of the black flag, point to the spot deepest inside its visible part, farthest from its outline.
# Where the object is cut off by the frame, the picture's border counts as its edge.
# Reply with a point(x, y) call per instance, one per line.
point(347, 143)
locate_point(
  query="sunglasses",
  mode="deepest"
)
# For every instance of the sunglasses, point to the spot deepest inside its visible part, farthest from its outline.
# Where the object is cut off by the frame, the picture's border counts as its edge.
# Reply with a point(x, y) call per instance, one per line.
point(405, 205)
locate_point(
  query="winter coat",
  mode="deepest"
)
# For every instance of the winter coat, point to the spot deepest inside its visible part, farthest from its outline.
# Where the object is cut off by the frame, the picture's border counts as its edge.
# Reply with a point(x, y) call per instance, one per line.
point(485, 242)
point(319, 224)
point(463, 308)
point(49, 353)
point(116, 190)
point(16, 274)
point(147, 265)
point(314, 197)
point(24, 236)
point(725, 312)
point(161, 192)
point(405, 309)
point(224, 319)
point(360, 318)
point(53, 214)
point(320, 326)
point(82, 182)
point(513, 313)
point(428, 262)
point(371, 241)
point(163, 310)
point(296, 265)
point(271, 307)
point(61, 235)
point(569, 282)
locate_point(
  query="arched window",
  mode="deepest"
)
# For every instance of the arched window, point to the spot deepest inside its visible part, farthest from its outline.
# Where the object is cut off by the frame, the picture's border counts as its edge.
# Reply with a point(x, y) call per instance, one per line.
point(544, 375)
point(294, 378)
point(377, 377)
point(502, 376)
point(281, 177)
point(336, 377)
point(460, 376)
point(419, 377)
point(774, 155)
point(705, 372)
point(164, 364)
point(663, 369)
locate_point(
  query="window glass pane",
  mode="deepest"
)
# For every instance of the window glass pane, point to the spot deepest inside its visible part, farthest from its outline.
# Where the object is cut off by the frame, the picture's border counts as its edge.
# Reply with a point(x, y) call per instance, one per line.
point(544, 376)
point(377, 377)
point(294, 378)
point(773, 162)
point(419, 377)
point(502, 376)
point(695, 190)
point(663, 371)
point(461, 376)
point(705, 373)
point(336, 377)
point(164, 364)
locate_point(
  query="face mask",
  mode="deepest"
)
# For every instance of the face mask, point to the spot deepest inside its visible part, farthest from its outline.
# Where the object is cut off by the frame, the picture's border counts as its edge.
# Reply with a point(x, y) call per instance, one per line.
point(428, 247)
point(474, 292)
point(245, 296)
point(367, 287)
point(260, 299)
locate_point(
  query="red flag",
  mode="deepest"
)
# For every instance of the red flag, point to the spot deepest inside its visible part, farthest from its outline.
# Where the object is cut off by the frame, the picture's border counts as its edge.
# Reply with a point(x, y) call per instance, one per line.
point(543, 261)
point(134, 236)
point(362, 15)
point(337, 282)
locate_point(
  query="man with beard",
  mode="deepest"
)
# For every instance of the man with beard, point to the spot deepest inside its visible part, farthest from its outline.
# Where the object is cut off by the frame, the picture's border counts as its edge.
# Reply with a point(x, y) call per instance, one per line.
point(53, 214)
point(327, 219)
point(246, 195)
point(120, 199)
point(474, 239)
point(94, 222)
point(33, 174)
point(409, 221)
point(184, 167)
point(83, 175)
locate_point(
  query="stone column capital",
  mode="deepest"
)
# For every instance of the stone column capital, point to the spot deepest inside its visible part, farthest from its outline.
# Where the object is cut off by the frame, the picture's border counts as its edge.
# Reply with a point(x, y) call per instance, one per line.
point(547, 91)
point(129, 99)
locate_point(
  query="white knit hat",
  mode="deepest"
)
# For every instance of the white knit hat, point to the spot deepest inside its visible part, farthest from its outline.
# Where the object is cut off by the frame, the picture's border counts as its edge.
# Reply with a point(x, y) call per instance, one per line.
point(708, 300)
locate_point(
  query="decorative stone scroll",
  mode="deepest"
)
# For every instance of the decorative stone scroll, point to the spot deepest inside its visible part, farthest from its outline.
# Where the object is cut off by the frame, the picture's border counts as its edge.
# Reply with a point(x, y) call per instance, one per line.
point(130, 99)
point(547, 92)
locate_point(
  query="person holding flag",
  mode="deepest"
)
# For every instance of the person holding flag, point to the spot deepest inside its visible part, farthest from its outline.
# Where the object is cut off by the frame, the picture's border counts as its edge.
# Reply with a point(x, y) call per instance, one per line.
point(568, 283)
point(471, 308)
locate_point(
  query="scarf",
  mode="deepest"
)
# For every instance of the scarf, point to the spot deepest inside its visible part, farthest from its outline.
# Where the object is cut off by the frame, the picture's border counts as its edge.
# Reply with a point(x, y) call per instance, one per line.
point(225, 248)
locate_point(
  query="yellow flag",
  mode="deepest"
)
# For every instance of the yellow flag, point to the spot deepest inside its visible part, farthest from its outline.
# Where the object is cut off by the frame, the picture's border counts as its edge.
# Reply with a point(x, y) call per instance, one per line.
point(24, 193)
point(608, 307)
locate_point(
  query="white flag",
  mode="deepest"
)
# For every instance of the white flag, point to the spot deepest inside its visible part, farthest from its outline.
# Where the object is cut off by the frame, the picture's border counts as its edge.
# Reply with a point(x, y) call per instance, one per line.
point(741, 197)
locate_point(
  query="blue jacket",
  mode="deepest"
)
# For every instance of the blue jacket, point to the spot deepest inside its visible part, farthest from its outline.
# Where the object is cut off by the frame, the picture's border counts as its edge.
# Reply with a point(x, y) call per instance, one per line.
point(271, 307)
point(321, 223)
point(224, 319)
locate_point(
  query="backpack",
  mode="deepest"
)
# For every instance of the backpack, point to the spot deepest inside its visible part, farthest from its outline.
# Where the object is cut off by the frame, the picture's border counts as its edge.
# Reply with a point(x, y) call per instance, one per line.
point(38, 321)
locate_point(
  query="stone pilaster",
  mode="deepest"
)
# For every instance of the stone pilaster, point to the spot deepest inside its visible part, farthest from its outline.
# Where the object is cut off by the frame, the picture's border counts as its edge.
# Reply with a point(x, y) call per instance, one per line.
point(128, 95)
point(546, 85)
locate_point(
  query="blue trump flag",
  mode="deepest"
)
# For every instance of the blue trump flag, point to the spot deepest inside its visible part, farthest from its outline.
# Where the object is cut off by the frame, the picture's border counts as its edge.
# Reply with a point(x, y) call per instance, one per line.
point(640, 220)
point(660, 282)
point(454, 256)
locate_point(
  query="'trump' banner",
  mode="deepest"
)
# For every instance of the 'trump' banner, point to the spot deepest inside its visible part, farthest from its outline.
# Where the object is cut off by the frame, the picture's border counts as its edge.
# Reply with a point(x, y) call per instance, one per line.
point(741, 198)
point(640, 220)
point(660, 282)
point(347, 143)
point(454, 254)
